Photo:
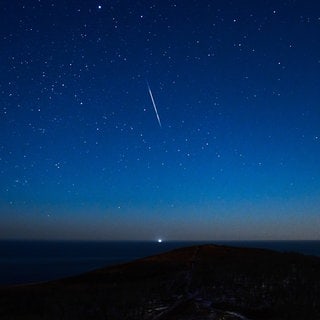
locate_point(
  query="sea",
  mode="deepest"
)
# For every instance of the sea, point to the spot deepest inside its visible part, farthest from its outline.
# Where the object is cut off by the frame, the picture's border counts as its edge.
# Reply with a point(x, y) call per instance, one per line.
point(37, 261)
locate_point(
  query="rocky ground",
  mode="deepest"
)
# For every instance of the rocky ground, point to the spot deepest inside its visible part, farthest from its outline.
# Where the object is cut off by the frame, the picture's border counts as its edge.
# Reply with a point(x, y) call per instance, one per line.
point(200, 282)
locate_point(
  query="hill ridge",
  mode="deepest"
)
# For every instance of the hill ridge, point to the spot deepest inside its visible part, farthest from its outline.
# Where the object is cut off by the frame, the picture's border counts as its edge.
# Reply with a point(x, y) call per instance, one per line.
point(211, 281)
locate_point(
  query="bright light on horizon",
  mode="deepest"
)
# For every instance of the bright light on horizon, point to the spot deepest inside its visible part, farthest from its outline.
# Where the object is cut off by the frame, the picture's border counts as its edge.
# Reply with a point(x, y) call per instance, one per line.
point(159, 240)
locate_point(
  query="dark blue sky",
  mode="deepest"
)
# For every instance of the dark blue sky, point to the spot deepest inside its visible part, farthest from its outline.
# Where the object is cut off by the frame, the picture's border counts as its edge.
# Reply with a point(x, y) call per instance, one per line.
point(236, 85)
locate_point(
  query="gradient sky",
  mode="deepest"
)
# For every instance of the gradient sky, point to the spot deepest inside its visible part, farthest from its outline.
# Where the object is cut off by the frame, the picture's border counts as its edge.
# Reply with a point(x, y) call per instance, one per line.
point(237, 88)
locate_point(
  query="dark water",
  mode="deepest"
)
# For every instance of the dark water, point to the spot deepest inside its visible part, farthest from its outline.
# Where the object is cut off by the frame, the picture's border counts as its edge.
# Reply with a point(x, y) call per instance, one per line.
point(33, 261)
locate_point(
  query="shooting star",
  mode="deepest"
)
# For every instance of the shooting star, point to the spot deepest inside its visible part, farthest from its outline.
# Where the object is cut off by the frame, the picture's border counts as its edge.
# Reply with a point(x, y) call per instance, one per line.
point(154, 105)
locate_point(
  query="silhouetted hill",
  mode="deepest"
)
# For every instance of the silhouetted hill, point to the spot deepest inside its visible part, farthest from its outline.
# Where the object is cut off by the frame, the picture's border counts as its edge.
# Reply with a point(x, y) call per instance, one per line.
point(200, 282)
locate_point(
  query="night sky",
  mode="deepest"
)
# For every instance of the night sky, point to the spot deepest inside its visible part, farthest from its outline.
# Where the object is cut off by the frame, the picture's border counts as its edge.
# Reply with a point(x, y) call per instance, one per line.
point(235, 153)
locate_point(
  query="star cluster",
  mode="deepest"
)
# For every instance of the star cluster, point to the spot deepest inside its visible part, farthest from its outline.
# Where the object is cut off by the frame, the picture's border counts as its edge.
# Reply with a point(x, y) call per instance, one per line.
point(237, 89)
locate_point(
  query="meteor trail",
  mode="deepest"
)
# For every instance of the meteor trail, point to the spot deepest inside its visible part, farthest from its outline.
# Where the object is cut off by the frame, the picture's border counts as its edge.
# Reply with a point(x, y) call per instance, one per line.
point(154, 105)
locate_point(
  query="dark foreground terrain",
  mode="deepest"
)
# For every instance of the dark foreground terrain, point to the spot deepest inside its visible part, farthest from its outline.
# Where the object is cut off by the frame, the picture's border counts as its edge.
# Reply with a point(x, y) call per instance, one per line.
point(201, 282)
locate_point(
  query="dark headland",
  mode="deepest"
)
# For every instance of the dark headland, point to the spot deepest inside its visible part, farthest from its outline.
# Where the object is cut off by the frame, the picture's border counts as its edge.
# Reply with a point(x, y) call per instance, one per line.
point(199, 282)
